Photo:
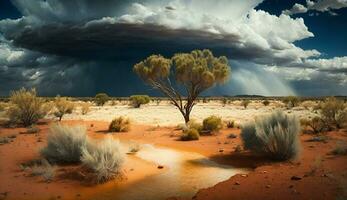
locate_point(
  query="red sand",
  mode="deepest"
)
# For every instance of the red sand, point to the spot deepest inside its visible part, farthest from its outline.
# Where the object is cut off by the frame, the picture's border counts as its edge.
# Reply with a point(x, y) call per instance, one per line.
point(269, 180)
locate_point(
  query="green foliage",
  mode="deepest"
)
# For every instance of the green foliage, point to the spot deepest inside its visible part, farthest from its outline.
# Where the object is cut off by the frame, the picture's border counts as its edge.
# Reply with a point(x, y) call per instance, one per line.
point(196, 71)
point(62, 107)
point(119, 124)
point(266, 102)
point(245, 103)
point(275, 136)
point(101, 99)
point(190, 134)
point(104, 158)
point(64, 144)
point(291, 101)
point(26, 107)
point(212, 124)
point(138, 100)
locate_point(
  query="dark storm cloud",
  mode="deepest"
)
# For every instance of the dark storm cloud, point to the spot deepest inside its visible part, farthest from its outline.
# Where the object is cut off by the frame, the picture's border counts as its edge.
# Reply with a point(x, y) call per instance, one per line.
point(134, 41)
point(83, 47)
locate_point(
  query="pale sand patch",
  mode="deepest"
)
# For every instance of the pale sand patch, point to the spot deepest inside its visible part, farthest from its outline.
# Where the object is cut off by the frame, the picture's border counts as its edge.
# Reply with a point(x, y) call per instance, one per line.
point(167, 115)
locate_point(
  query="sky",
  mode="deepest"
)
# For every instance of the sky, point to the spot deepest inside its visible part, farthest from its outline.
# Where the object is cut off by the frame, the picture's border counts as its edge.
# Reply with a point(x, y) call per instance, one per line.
point(83, 47)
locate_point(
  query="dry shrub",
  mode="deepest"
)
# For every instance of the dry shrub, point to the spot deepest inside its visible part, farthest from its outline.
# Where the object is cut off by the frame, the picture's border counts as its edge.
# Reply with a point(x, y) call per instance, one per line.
point(64, 144)
point(266, 102)
point(340, 149)
point(104, 158)
point(333, 112)
point(291, 101)
point(101, 99)
point(62, 107)
point(119, 124)
point(190, 134)
point(26, 108)
point(230, 124)
point(193, 124)
point(85, 108)
point(245, 103)
point(43, 168)
point(3, 106)
point(212, 124)
point(316, 124)
point(138, 100)
point(275, 136)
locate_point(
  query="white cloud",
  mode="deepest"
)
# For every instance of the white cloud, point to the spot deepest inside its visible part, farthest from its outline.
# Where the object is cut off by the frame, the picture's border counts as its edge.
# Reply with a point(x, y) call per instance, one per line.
point(297, 8)
point(320, 5)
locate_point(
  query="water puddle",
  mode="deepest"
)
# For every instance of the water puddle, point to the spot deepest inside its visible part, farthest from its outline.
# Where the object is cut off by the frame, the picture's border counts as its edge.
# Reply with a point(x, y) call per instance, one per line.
point(185, 173)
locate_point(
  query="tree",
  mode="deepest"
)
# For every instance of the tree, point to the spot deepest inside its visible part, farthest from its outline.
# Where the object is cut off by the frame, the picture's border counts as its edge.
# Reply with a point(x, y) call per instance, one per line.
point(101, 99)
point(195, 72)
point(63, 106)
point(138, 100)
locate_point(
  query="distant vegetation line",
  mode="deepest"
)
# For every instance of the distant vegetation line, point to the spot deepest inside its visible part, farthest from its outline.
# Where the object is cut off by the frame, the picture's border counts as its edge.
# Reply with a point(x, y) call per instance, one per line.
point(212, 98)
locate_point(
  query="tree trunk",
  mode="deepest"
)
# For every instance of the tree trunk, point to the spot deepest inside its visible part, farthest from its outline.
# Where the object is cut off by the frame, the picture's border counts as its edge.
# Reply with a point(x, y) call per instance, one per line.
point(186, 118)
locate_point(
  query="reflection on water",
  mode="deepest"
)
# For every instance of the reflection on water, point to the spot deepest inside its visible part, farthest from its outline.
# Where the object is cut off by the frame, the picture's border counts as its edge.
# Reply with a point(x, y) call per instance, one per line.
point(188, 172)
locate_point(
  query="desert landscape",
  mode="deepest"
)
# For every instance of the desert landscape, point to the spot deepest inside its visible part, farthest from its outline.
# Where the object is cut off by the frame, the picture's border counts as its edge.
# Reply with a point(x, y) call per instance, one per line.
point(158, 164)
point(173, 100)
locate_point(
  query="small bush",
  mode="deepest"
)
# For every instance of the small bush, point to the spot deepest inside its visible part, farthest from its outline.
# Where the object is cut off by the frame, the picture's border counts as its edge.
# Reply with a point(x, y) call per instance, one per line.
point(212, 124)
point(44, 169)
point(119, 124)
point(134, 148)
point(291, 101)
point(266, 102)
point(340, 149)
point(192, 124)
point(232, 136)
point(245, 103)
point(275, 136)
point(4, 140)
point(333, 112)
point(316, 124)
point(64, 144)
point(101, 99)
point(138, 100)
point(230, 124)
point(26, 107)
point(190, 134)
point(85, 108)
point(63, 106)
point(33, 129)
point(104, 158)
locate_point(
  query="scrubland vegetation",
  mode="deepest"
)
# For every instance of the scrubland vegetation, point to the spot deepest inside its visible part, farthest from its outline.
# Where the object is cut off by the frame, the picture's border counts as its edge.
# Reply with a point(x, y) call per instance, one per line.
point(275, 136)
point(104, 158)
point(64, 144)
point(101, 99)
point(138, 100)
point(119, 124)
point(26, 108)
point(63, 106)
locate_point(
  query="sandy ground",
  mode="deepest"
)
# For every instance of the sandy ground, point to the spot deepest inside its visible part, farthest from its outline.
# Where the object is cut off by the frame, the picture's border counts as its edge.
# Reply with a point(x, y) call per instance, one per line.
point(321, 174)
point(168, 115)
